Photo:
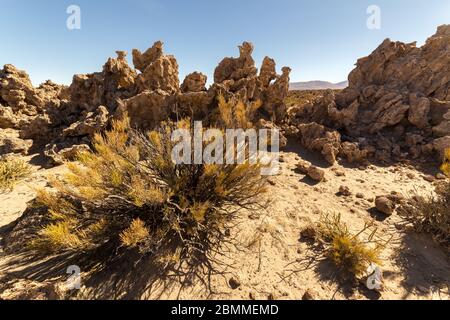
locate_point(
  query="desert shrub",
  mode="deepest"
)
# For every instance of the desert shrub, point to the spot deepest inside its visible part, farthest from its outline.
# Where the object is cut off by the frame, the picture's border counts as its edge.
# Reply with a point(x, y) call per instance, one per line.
point(431, 215)
point(129, 193)
point(348, 251)
point(446, 164)
point(235, 114)
point(12, 170)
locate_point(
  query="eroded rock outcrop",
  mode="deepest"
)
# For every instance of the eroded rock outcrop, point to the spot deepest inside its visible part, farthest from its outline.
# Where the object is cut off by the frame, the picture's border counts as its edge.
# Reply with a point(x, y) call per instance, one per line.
point(160, 95)
point(21, 103)
point(194, 82)
point(398, 92)
point(58, 117)
point(117, 81)
point(239, 76)
point(158, 71)
point(92, 123)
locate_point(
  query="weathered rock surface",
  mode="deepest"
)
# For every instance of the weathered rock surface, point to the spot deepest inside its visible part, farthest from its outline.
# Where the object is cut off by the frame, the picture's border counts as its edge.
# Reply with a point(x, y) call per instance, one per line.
point(21, 104)
point(239, 77)
point(318, 138)
point(117, 81)
point(316, 174)
point(11, 143)
point(59, 154)
point(385, 205)
point(398, 91)
point(93, 122)
point(60, 117)
point(194, 82)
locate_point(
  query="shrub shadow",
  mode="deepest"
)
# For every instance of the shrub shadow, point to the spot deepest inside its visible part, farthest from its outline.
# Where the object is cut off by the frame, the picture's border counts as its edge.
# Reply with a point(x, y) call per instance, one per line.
point(113, 274)
point(425, 266)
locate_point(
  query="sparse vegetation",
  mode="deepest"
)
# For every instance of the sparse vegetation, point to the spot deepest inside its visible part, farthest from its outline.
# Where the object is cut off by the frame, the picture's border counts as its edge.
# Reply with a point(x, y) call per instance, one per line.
point(12, 171)
point(298, 98)
point(348, 251)
point(431, 215)
point(129, 193)
point(235, 114)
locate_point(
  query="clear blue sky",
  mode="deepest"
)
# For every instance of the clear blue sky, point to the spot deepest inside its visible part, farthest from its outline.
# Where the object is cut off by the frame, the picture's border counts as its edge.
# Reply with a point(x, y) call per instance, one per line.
point(318, 39)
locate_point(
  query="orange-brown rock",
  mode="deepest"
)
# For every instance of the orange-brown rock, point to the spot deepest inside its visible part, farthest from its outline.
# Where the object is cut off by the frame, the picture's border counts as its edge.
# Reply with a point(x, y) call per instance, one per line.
point(397, 90)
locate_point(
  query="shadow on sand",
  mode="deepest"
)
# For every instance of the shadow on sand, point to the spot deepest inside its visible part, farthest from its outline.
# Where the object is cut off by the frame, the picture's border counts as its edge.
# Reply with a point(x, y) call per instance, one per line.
point(114, 274)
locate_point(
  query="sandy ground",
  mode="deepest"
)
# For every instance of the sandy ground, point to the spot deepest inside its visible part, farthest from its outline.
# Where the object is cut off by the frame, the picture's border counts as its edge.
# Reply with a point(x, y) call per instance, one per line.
point(271, 261)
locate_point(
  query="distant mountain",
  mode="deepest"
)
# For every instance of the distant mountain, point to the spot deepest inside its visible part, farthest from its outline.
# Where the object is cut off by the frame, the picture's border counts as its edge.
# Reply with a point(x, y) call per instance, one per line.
point(317, 85)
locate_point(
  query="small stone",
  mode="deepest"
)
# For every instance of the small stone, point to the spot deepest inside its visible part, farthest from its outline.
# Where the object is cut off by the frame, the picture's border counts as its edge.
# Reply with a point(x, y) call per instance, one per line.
point(339, 173)
point(234, 283)
point(411, 175)
point(429, 178)
point(303, 166)
point(384, 205)
point(344, 191)
point(316, 174)
point(441, 176)
point(360, 195)
point(310, 294)
point(308, 233)
point(272, 297)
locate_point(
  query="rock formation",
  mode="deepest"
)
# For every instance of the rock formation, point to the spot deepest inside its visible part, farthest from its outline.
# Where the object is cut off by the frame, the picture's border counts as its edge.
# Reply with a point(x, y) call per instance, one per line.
point(160, 95)
point(194, 82)
point(397, 104)
point(116, 82)
point(56, 118)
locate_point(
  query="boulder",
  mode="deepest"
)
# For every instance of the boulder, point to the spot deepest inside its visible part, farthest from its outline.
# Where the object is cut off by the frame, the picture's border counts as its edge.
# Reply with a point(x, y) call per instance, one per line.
point(316, 174)
point(92, 123)
point(194, 82)
point(303, 166)
point(316, 137)
point(399, 89)
point(10, 143)
point(385, 205)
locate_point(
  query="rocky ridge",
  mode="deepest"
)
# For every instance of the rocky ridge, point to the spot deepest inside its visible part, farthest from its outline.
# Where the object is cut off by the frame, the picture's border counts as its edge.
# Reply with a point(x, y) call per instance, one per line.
point(396, 107)
point(55, 118)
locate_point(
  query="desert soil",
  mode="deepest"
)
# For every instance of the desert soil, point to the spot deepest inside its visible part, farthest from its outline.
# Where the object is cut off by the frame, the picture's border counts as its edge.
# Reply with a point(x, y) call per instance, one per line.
point(271, 261)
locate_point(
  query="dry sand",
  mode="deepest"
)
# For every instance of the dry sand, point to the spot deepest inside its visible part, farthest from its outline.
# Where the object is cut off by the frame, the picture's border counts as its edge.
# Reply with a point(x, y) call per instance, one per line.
point(271, 261)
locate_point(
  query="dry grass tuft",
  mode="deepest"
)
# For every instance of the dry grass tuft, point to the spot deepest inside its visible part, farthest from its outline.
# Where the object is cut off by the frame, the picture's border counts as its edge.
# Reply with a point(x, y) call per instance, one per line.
point(346, 250)
point(12, 171)
point(236, 114)
point(135, 234)
point(431, 215)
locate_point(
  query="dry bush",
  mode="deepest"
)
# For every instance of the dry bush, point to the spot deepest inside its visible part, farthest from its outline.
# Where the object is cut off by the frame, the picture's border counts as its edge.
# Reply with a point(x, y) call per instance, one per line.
point(346, 250)
point(12, 170)
point(302, 97)
point(129, 193)
point(235, 114)
point(431, 215)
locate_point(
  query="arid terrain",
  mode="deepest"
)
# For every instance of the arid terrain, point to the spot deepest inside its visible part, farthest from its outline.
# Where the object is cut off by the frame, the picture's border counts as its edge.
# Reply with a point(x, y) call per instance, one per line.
point(362, 152)
point(273, 260)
